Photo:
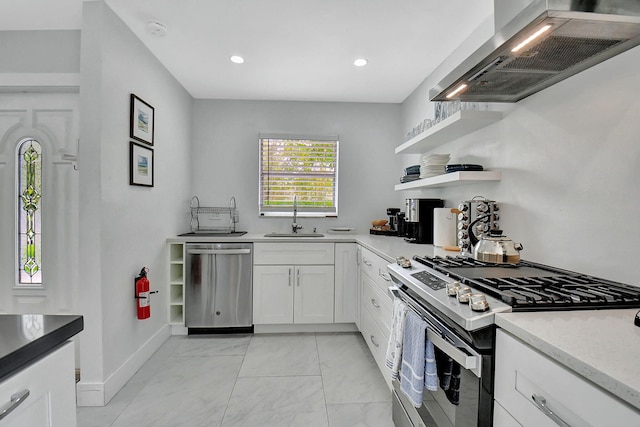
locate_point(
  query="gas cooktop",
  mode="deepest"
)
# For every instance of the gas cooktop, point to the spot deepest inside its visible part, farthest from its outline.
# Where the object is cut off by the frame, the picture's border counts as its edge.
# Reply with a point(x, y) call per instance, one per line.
point(469, 293)
point(528, 286)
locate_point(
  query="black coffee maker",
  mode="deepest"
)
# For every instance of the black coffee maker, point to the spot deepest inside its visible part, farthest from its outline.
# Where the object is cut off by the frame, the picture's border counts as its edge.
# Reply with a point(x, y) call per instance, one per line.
point(419, 219)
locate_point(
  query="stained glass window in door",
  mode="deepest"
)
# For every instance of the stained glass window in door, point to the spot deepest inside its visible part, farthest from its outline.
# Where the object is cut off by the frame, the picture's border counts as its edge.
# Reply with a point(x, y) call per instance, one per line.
point(29, 212)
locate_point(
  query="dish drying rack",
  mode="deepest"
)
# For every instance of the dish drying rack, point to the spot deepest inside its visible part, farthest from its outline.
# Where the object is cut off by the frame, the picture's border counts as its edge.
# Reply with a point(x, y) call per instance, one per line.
point(197, 212)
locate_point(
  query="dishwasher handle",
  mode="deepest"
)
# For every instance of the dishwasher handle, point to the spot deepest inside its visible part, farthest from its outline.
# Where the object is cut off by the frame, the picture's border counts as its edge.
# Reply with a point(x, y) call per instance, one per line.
point(218, 251)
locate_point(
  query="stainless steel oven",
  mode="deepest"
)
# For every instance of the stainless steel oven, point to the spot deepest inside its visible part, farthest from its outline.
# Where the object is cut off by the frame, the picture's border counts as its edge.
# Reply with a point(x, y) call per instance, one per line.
point(458, 298)
point(468, 403)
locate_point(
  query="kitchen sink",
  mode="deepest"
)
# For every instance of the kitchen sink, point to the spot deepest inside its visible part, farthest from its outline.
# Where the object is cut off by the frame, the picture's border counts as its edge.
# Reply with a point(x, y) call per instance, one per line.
point(294, 235)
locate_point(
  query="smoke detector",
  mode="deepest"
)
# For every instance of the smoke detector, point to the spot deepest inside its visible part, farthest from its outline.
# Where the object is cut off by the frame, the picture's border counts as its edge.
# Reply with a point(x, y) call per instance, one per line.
point(156, 28)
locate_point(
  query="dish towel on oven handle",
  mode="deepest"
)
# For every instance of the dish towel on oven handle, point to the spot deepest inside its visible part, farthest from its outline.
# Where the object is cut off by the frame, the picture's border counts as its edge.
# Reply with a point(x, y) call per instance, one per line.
point(413, 352)
point(393, 358)
point(430, 367)
point(449, 375)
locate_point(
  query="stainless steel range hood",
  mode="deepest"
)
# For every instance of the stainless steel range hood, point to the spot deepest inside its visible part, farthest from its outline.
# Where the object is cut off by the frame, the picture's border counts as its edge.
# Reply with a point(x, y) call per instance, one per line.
point(573, 35)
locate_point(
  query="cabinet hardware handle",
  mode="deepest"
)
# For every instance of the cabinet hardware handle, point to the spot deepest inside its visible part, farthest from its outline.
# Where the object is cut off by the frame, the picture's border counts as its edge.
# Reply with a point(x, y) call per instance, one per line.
point(289, 277)
point(384, 276)
point(219, 251)
point(374, 342)
point(374, 303)
point(16, 400)
point(298, 278)
point(367, 263)
point(541, 403)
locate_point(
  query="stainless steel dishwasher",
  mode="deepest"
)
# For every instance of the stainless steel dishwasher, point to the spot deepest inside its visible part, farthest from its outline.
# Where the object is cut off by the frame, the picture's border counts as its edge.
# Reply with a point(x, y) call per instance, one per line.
point(218, 286)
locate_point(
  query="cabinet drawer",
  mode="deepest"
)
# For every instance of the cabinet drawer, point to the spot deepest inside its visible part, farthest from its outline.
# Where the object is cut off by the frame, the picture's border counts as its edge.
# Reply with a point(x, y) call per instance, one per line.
point(293, 253)
point(522, 372)
point(376, 268)
point(377, 343)
point(377, 302)
point(501, 418)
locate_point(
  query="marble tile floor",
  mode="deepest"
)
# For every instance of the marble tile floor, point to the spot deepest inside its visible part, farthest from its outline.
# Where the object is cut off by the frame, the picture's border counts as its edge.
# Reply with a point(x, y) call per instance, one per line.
point(266, 380)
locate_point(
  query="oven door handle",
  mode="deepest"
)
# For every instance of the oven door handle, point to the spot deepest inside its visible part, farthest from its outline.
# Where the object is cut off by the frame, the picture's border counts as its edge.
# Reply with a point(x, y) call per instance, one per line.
point(460, 351)
point(470, 362)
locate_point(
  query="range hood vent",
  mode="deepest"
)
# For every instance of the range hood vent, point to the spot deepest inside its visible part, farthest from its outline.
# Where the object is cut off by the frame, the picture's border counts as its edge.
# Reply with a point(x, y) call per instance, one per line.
point(572, 36)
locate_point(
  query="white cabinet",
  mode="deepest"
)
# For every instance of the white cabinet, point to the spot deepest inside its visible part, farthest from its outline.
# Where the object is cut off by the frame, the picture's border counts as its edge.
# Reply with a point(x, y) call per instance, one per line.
point(537, 391)
point(376, 307)
point(313, 294)
point(293, 283)
point(272, 294)
point(51, 399)
point(346, 283)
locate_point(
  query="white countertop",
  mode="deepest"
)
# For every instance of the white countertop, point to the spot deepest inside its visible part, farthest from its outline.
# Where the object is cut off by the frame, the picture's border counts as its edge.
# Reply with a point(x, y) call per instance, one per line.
point(601, 345)
point(388, 247)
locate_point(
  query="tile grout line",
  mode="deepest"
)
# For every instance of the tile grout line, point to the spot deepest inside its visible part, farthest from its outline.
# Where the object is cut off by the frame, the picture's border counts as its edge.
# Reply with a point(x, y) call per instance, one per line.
point(224, 413)
point(324, 393)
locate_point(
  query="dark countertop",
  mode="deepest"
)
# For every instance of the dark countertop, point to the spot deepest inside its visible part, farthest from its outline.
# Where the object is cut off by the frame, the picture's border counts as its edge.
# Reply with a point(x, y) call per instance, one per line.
point(25, 338)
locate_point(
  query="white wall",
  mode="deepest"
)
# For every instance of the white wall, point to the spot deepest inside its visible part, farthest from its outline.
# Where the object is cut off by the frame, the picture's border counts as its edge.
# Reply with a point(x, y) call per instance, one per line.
point(124, 227)
point(570, 159)
point(50, 51)
point(225, 156)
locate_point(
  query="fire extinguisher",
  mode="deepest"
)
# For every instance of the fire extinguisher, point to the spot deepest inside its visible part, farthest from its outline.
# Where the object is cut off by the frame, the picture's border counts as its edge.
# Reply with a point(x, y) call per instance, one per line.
point(142, 294)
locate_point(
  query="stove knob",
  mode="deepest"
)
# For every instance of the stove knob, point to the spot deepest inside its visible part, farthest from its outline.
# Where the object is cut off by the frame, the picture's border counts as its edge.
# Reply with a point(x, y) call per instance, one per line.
point(478, 302)
point(452, 288)
point(463, 295)
point(463, 207)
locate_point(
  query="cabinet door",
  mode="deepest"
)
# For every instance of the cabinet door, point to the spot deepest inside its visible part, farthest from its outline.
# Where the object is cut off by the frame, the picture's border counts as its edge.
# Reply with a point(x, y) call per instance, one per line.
point(273, 294)
point(314, 294)
point(51, 385)
point(346, 283)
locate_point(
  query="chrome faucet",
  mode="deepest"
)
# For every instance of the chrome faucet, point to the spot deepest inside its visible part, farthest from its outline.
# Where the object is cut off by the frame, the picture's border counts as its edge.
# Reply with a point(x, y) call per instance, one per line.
point(294, 226)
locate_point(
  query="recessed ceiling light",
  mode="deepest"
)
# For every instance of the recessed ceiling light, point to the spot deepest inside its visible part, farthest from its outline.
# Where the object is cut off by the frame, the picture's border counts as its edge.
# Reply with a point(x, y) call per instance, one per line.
point(360, 62)
point(237, 59)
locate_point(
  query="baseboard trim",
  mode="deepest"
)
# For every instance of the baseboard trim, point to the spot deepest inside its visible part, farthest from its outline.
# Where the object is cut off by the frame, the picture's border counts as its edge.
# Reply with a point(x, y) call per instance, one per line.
point(316, 327)
point(99, 394)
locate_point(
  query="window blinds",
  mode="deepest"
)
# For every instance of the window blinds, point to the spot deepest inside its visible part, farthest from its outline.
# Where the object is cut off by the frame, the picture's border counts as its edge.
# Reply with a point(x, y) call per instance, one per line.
point(306, 168)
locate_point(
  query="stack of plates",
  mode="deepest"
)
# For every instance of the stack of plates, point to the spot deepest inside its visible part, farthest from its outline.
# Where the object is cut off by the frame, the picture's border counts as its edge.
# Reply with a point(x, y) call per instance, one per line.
point(433, 164)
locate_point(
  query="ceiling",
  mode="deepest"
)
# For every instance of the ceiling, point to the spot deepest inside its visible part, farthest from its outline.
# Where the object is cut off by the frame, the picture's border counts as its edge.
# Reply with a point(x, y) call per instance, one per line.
point(293, 49)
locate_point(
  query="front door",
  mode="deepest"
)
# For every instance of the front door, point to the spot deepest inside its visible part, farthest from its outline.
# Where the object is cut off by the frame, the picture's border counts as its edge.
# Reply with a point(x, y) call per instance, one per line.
point(51, 119)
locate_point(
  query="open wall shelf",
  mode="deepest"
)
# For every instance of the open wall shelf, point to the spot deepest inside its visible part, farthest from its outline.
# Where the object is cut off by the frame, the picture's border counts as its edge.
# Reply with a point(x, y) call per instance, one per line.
point(459, 124)
point(451, 179)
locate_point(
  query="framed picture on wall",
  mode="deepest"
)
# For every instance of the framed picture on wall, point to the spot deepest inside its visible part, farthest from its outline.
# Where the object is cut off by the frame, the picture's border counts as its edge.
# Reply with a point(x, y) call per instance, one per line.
point(142, 120)
point(141, 165)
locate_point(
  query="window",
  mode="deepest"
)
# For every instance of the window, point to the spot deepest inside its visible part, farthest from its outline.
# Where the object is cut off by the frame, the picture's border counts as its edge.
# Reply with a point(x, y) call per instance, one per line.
point(305, 168)
point(29, 171)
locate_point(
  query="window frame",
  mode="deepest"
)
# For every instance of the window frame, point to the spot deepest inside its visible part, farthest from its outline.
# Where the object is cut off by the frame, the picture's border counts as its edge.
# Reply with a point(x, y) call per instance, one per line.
point(302, 211)
point(17, 234)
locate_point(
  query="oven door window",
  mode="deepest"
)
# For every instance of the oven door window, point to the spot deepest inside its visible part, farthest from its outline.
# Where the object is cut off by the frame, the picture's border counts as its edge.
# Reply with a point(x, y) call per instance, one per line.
point(458, 404)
